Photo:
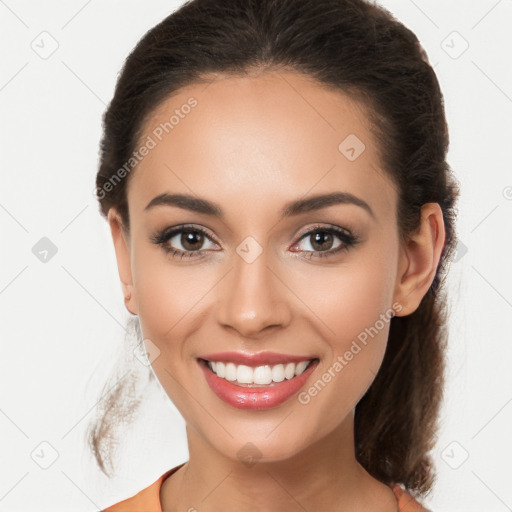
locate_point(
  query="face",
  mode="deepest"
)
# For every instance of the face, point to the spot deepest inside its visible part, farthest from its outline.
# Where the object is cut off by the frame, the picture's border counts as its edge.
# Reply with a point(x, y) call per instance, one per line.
point(251, 275)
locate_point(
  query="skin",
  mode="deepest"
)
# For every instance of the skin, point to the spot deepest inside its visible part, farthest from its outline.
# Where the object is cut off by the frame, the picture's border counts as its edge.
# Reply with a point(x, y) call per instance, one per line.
point(251, 145)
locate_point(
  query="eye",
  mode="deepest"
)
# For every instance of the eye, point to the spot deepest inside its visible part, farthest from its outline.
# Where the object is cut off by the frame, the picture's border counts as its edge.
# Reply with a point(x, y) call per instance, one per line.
point(321, 240)
point(190, 238)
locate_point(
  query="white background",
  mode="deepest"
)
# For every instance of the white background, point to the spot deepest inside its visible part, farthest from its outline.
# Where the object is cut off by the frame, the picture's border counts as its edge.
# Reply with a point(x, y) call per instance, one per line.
point(62, 322)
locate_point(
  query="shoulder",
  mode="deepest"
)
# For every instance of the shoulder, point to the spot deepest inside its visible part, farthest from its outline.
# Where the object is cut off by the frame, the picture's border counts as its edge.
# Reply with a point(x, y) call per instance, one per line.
point(147, 500)
point(407, 502)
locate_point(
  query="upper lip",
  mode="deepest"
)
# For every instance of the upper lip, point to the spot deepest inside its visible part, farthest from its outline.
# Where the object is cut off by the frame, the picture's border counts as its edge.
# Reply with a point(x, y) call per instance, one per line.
point(258, 359)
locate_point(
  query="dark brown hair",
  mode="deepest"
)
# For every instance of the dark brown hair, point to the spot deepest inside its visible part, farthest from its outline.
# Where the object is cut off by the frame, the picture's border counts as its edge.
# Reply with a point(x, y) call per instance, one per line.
point(360, 49)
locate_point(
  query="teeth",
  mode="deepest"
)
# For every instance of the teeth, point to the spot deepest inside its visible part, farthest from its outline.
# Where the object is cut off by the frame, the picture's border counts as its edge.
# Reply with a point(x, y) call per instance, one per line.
point(260, 375)
point(230, 372)
point(289, 370)
point(244, 374)
point(301, 367)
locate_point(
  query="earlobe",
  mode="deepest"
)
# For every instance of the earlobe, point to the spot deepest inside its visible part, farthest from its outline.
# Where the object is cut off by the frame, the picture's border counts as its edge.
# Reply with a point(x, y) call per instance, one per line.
point(120, 237)
point(419, 259)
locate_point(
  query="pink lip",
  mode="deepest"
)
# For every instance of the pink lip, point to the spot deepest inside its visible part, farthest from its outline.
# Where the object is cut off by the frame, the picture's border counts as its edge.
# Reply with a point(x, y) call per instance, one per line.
point(253, 360)
point(255, 398)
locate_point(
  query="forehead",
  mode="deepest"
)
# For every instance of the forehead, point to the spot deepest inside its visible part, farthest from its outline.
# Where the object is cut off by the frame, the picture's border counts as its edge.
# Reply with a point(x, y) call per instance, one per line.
point(273, 135)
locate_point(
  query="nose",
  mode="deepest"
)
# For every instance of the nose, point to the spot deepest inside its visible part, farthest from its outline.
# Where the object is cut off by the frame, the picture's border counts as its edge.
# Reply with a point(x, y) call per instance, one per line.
point(253, 299)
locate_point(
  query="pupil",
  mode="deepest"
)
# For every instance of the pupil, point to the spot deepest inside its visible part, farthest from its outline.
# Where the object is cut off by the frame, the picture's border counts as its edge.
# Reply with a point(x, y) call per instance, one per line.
point(188, 239)
point(320, 235)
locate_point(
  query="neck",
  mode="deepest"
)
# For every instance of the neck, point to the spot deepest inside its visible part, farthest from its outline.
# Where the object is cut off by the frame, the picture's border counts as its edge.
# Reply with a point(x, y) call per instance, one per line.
point(325, 476)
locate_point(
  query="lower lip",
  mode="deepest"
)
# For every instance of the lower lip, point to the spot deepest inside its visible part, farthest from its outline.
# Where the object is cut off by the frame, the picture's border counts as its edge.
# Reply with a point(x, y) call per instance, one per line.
point(258, 398)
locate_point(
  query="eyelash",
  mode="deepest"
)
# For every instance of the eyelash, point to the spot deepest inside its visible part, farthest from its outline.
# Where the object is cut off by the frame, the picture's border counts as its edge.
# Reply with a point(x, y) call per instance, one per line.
point(347, 238)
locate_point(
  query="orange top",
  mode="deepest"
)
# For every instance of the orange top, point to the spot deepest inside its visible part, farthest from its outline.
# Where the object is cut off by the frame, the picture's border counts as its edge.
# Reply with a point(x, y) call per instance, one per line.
point(148, 500)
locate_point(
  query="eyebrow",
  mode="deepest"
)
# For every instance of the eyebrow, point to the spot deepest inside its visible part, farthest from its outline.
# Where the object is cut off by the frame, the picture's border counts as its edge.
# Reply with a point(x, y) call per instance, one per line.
point(308, 204)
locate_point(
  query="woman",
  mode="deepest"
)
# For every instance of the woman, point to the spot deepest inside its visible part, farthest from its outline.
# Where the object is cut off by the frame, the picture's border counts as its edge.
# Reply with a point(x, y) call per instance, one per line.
point(274, 177)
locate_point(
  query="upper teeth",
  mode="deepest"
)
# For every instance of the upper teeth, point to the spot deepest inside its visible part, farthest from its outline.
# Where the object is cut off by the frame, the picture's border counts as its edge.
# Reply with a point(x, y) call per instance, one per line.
point(260, 374)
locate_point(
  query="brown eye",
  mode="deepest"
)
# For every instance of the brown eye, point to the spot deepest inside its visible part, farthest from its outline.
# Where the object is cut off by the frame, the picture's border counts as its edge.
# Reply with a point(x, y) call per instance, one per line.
point(192, 240)
point(322, 241)
point(183, 241)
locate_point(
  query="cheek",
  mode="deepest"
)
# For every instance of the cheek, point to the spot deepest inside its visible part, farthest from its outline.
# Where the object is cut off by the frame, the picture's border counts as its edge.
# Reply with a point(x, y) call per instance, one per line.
point(169, 305)
point(167, 293)
point(351, 297)
point(353, 310)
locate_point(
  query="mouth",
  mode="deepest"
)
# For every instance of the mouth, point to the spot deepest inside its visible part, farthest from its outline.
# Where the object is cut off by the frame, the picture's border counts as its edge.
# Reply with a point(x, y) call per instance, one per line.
point(257, 387)
point(261, 376)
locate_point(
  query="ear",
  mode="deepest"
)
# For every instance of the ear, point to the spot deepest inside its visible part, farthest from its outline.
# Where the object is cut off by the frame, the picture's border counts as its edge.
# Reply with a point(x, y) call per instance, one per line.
point(419, 259)
point(121, 239)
